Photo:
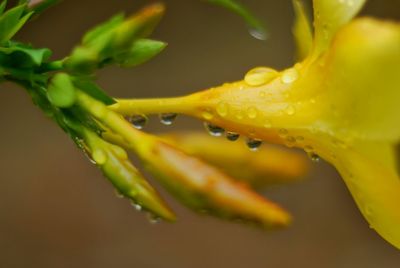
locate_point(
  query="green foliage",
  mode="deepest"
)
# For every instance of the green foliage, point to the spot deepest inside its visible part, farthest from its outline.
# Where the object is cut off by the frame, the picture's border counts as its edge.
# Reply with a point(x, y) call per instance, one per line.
point(12, 21)
point(55, 85)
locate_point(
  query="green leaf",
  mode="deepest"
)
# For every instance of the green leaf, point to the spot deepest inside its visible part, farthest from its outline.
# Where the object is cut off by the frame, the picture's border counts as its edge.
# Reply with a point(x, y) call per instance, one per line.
point(257, 28)
point(26, 56)
point(3, 6)
point(141, 51)
point(99, 30)
point(92, 89)
point(61, 92)
point(11, 22)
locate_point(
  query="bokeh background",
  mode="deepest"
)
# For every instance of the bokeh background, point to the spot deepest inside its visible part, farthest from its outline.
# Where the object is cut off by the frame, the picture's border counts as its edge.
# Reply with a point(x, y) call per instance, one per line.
point(56, 209)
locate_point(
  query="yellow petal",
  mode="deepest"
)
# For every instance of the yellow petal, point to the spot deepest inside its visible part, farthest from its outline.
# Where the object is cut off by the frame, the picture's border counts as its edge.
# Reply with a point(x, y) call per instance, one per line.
point(329, 16)
point(302, 30)
point(361, 81)
point(268, 165)
point(375, 186)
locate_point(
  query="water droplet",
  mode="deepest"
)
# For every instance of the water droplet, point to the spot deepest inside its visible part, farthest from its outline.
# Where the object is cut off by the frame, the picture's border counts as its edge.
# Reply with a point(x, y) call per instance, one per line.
point(207, 115)
point(153, 219)
point(267, 124)
point(314, 157)
point(138, 121)
point(167, 118)
point(252, 112)
point(99, 156)
point(222, 109)
point(253, 144)
point(118, 194)
point(290, 110)
point(232, 136)
point(239, 115)
point(259, 34)
point(260, 76)
point(308, 149)
point(214, 130)
point(289, 76)
point(283, 132)
point(290, 141)
point(138, 207)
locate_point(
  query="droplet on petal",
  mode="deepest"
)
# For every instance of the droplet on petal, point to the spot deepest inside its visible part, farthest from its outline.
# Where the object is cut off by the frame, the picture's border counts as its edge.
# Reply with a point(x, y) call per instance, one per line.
point(214, 130)
point(289, 76)
point(253, 144)
point(252, 112)
point(138, 121)
point(168, 118)
point(99, 156)
point(222, 109)
point(260, 76)
point(232, 136)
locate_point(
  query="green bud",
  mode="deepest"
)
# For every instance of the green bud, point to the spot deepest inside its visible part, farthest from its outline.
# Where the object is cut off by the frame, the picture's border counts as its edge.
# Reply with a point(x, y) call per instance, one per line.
point(61, 91)
point(138, 26)
point(141, 51)
point(82, 60)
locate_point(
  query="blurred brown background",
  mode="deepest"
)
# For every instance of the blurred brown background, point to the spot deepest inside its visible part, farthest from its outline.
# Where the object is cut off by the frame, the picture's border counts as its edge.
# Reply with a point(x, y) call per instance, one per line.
point(56, 209)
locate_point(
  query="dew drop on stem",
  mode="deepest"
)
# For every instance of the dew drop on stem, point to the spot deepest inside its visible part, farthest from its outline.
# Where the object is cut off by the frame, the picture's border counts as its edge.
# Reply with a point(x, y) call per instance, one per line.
point(214, 130)
point(138, 121)
point(168, 118)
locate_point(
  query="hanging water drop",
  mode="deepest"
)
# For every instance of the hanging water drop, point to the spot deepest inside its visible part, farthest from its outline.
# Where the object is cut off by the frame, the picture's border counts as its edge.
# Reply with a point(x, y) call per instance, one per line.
point(232, 136)
point(253, 144)
point(137, 206)
point(138, 121)
point(153, 219)
point(259, 34)
point(118, 194)
point(168, 118)
point(214, 130)
point(314, 157)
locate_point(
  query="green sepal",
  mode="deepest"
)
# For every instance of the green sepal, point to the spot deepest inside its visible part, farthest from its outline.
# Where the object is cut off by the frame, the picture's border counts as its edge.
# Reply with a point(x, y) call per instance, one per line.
point(92, 89)
point(96, 32)
point(11, 21)
point(61, 91)
point(141, 51)
point(24, 56)
point(3, 6)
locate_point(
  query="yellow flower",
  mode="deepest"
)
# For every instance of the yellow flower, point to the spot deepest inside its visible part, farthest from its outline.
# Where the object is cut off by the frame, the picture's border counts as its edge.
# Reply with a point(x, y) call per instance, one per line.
point(340, 102)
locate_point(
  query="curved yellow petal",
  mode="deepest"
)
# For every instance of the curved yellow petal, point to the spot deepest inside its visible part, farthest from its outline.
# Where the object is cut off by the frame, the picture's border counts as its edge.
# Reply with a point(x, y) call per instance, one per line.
point(268, 165)
point(361, 80)
point(302, 30)
point(374, 185)
point(329, 16)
